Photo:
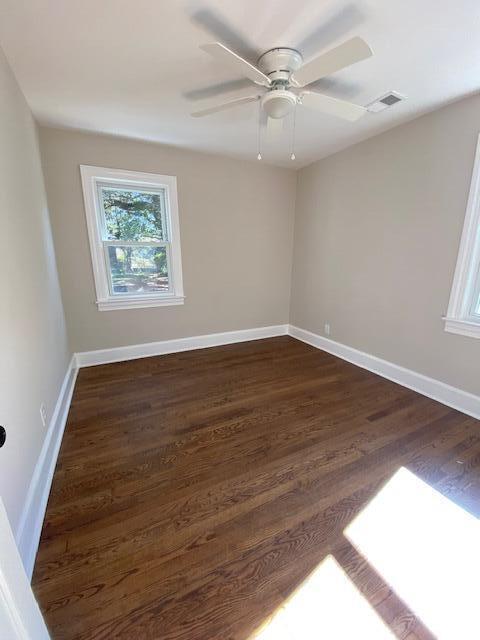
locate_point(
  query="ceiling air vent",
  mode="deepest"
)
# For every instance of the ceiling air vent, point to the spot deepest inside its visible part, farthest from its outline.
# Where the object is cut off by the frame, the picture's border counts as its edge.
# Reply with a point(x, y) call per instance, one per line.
point(386, 101)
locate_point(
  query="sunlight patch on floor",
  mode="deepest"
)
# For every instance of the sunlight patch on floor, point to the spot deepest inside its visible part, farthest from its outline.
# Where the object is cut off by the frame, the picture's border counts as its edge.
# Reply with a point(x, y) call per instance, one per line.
point(428, 550)
point(327, 605)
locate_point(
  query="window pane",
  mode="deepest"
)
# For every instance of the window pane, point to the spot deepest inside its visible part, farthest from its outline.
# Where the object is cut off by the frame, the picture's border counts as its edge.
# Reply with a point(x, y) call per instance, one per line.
point(138, 269)
point(476, 307)
point(133, 215)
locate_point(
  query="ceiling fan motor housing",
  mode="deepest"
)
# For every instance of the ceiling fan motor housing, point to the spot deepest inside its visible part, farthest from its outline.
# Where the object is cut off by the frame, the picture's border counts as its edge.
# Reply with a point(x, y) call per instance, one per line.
point(279, 64)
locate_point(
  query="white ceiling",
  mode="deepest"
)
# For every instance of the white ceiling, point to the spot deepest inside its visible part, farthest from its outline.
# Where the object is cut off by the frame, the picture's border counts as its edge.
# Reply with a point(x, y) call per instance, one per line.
point(133, 67)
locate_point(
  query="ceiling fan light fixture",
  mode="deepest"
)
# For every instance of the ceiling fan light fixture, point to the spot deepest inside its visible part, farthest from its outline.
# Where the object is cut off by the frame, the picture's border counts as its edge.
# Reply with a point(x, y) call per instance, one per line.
point(279, 103)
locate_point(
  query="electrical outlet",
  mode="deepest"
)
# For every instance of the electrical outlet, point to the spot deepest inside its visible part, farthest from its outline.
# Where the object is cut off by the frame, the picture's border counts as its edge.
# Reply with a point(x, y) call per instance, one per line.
point(327, 329)
point(43, 414)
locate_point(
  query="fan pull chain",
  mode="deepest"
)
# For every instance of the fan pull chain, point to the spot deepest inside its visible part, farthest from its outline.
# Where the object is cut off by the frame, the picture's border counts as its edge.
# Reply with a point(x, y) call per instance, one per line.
point(259, 148)
point(292, 143)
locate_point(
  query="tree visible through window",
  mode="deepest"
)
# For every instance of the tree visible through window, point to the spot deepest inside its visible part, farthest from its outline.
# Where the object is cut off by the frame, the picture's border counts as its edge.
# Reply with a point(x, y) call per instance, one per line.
point(136, 240)
point(134, 234)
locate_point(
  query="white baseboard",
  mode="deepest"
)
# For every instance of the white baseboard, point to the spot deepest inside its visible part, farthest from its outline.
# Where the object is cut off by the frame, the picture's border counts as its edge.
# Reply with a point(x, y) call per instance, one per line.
point(33, 514)
point(451, 396)
point(131, 352)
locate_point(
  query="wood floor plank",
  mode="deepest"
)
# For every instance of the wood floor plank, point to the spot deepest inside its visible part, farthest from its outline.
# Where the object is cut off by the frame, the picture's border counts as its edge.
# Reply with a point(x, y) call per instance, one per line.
point(195, 491)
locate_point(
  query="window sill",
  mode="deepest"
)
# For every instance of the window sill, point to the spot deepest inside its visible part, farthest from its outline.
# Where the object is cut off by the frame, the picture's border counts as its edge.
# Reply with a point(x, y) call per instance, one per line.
point(462, 327)
point(114, 304)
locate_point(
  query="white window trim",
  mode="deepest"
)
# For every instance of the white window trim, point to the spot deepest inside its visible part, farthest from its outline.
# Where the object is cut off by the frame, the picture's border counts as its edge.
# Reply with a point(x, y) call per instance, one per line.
point(459, 318)
point(105, 300)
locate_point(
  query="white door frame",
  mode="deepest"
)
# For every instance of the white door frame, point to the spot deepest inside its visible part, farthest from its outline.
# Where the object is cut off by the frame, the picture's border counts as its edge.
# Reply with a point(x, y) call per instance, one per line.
point(20, 616)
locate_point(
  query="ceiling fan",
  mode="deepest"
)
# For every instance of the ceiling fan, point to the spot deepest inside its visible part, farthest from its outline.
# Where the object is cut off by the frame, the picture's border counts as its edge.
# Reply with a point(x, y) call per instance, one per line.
point(284, 79)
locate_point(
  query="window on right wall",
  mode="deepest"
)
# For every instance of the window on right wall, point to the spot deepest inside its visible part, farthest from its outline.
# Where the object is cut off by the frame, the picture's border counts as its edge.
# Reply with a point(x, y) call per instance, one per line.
point(463, 315)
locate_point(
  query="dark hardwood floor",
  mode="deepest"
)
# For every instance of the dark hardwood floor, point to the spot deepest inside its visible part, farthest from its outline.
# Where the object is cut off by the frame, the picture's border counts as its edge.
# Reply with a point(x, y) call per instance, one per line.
point(194, 492)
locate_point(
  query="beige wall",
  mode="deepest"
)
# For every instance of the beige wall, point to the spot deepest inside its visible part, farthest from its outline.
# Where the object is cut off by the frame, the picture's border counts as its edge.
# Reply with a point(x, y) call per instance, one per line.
point(376, 240)
point(236, 228)
point(33, 345)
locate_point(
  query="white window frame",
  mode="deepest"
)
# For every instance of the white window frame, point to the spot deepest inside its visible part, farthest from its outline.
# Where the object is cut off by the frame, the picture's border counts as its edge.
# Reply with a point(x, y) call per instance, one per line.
point(92, 177)
point(460, 316)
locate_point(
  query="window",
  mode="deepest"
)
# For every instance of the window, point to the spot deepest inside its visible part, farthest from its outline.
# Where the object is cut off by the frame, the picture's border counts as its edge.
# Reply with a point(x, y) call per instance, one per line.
point(463, 315)
point(132, 221)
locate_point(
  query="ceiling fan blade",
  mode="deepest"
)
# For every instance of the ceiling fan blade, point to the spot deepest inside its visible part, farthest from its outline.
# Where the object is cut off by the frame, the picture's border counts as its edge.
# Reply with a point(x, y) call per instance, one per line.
point(350, 52)
point(333, 106)
point(221, 30)
point(218, 89)
point(332, 24)
point(220, 52)
point(222, 106)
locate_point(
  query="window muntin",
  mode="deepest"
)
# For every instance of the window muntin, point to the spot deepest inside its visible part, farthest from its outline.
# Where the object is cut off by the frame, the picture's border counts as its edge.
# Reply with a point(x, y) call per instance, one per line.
point(132, 220)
